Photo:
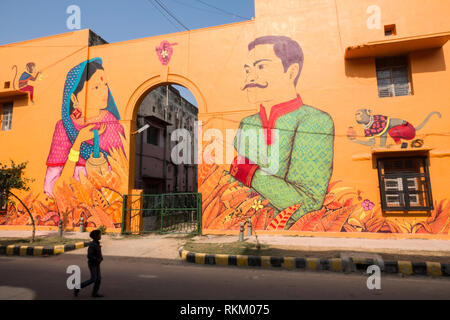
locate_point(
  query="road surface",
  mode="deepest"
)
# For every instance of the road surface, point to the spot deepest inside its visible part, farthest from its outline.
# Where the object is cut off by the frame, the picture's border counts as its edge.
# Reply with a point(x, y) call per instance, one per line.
point(135, 278)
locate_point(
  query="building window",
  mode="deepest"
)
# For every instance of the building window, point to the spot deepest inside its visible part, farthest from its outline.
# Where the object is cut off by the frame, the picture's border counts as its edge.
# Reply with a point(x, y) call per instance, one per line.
point(7, 111)
point(153, 136)
point(390, 30)
point(405, 184)
point(393, 77)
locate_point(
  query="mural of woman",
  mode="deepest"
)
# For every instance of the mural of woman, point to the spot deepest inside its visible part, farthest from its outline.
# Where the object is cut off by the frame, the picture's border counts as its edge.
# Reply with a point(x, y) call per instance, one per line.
point(82, 144)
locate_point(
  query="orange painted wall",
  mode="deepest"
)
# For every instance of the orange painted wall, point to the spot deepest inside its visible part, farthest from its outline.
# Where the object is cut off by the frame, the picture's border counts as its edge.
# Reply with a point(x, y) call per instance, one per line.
point(210, 61)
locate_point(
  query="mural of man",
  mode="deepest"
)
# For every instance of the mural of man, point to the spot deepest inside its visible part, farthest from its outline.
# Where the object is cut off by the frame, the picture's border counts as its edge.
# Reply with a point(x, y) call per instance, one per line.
point(303, 135)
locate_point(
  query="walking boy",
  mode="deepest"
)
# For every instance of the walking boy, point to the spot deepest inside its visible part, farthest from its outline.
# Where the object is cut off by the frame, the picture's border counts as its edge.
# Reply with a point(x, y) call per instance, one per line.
point(94, 259)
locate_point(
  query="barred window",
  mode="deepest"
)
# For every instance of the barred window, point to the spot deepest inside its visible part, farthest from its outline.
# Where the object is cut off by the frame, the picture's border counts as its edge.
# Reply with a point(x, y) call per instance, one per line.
point(405, 184)
point(393, 77)
point(153, 136)
point(7, 110)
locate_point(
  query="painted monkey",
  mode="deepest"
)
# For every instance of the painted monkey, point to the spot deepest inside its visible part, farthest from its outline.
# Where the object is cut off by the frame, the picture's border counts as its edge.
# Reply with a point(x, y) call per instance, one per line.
point(25, 78)
point(381, 126)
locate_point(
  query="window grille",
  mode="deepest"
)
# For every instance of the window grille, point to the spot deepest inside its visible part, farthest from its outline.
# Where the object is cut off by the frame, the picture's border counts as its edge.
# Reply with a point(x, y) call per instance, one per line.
point(153, 136)
point(405, 184)
point(393, 77)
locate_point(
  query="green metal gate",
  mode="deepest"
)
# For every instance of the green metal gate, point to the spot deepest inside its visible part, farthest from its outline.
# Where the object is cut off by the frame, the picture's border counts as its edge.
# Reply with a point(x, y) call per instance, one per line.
point(162, 213)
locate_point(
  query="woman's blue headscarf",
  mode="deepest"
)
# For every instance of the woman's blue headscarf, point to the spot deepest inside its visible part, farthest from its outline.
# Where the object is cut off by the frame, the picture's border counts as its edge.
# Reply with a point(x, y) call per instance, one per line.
point(73, 79)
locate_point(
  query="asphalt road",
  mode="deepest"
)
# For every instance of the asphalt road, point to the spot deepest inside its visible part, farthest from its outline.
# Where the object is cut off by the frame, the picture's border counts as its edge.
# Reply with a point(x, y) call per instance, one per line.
point(133, 278)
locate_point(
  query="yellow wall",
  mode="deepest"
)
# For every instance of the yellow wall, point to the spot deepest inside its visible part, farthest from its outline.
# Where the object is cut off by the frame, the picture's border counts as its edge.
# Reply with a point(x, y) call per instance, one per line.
point(210, 61)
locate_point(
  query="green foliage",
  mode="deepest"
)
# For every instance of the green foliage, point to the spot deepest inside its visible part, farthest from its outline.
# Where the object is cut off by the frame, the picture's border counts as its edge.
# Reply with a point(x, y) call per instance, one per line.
point(12, 177)
point(102, 229)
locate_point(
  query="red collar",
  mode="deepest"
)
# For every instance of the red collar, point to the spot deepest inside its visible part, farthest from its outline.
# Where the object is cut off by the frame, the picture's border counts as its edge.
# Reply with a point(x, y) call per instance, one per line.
point(275, 113)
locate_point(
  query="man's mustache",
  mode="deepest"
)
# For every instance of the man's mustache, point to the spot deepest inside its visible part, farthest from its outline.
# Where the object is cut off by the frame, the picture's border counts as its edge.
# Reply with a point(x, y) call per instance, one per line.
point(255, 85)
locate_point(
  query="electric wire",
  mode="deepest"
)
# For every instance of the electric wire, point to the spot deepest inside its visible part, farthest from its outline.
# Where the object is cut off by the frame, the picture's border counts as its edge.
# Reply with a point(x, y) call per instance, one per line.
point(171, 14)
point(222, 10)
point(443, 134)
point(198, 8)
point(164, 15)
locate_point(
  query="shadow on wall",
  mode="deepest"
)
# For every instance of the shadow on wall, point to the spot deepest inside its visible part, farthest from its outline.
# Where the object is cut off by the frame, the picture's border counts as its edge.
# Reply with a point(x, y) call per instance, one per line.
point(428, 61)
point(431, 60)
point(21, 102)
point(360, 68)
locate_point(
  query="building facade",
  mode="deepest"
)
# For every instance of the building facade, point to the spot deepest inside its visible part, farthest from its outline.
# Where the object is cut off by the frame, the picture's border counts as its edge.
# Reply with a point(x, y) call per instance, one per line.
point(165, 111)
point(318, 117)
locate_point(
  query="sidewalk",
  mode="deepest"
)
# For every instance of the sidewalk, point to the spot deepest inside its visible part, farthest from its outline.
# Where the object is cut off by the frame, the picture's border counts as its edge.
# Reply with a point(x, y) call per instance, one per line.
point(405, 257)
point(167, 246)
point(397, 246)
point(149, 246)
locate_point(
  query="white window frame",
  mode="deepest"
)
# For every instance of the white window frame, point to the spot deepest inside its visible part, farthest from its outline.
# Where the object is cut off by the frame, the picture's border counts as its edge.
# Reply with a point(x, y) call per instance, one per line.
point(6, 119)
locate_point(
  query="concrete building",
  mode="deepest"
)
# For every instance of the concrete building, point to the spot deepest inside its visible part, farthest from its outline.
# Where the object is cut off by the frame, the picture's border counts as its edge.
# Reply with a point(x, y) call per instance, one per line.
point(164, 110)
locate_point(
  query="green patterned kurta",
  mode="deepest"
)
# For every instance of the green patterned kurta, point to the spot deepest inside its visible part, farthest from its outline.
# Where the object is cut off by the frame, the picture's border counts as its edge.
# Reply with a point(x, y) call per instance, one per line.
point(305, 138)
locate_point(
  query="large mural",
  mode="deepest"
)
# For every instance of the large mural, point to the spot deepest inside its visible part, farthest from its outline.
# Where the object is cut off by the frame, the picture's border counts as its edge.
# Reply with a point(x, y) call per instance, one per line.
point(87, 167)
point(26, 79)
point(380, 126)
point(297, 195)
point(344, 209)
point(299, 170)
point(281, 178)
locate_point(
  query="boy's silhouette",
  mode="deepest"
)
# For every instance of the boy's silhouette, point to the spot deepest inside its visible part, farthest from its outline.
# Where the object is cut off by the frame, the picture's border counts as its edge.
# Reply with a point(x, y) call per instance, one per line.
point(94, 259)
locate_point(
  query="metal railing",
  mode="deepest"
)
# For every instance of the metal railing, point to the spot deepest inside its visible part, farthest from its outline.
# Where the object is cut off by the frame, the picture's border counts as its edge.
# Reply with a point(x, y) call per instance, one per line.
point(162, 213)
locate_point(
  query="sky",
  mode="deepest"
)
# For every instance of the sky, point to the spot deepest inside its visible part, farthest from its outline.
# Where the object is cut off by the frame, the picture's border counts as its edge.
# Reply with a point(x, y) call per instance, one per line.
point(117, 20)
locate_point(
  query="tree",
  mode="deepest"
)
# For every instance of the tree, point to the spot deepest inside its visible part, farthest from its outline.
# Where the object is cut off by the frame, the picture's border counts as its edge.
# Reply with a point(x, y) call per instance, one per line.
point(12, 178)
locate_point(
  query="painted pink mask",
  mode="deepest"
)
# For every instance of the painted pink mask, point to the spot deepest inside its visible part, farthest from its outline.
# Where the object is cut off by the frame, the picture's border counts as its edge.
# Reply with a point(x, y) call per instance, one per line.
point(165, 52)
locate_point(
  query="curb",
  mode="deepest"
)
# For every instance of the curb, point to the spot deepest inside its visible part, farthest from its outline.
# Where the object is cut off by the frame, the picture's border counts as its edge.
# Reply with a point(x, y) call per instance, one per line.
point(17, 250)
point(434, 269)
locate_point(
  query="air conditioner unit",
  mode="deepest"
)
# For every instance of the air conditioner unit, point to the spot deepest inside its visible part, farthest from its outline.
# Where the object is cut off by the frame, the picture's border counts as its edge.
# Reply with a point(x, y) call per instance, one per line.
point(396, 184)
point(412, 184)
point(414, 200)
point(393, 200)
point(393, 184)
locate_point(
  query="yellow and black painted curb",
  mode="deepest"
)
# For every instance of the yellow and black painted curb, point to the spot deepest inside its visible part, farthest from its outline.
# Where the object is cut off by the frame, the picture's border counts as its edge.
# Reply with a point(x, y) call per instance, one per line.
point(318, 264)
point(22, 250)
